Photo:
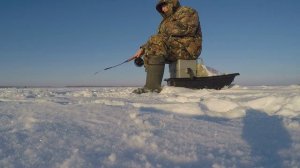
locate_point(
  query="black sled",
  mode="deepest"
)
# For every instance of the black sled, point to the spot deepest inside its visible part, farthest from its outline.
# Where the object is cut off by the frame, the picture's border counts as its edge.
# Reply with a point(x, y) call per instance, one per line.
point(190, 74)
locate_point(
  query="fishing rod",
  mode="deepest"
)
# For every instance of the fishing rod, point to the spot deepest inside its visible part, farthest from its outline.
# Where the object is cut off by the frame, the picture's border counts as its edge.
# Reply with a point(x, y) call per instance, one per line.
point(138, 62)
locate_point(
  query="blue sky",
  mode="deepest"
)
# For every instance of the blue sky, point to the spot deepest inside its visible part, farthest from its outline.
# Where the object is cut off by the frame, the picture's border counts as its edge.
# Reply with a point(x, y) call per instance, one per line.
point(63, 42)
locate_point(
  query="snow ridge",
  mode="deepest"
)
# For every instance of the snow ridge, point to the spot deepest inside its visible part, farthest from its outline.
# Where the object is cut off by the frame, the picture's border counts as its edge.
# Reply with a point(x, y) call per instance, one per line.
point(111, 127)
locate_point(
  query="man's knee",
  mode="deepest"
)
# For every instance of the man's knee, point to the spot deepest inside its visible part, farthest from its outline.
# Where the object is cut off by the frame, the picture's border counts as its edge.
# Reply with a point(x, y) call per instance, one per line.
point(156, 46)
point(157, 39)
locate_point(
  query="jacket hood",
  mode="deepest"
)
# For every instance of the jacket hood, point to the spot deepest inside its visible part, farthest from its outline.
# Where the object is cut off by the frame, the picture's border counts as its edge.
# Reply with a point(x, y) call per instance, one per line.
point(173, 3)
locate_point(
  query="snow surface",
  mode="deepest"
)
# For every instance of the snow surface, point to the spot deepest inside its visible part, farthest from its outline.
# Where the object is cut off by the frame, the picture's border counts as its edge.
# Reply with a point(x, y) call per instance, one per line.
point(242, 127)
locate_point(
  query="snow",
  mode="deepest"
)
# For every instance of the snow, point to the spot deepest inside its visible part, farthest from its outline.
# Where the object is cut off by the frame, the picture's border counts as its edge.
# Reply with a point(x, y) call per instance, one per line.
point(111, 127)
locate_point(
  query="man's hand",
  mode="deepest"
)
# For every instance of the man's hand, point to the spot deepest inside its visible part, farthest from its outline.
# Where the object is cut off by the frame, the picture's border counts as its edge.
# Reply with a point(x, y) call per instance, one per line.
point(139, 53)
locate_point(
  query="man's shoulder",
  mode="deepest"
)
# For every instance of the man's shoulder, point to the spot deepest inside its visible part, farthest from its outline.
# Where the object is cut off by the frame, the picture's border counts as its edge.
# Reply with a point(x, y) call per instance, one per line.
point(186, 9)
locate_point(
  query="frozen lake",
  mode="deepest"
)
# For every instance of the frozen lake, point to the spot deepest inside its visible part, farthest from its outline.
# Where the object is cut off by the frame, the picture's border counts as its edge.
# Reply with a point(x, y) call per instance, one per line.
point(111, 127)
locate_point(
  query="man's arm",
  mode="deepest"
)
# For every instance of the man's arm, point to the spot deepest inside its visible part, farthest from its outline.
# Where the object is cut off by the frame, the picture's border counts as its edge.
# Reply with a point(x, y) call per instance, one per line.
point(139, 53)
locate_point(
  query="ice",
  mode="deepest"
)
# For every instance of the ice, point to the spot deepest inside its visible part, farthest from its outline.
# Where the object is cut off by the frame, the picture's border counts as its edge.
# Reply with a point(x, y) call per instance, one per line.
point(240, 126)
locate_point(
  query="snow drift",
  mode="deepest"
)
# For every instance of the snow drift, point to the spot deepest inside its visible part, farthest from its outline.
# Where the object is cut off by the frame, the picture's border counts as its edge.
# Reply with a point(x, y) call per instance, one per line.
point(111, 127)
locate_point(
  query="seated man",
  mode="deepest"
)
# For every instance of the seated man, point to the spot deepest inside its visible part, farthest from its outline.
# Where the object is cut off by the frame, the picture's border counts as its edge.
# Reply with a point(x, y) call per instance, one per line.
point(179, 37)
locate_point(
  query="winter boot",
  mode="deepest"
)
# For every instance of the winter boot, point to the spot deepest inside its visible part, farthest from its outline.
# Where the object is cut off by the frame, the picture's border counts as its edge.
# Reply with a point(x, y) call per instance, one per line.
point(155, 71)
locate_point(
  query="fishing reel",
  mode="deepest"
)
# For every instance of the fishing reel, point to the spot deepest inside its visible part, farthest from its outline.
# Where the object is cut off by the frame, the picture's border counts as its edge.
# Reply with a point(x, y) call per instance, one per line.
point(139, 62)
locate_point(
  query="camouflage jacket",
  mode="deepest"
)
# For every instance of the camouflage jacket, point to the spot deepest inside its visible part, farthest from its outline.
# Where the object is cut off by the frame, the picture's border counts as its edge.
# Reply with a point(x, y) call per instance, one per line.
point(181, 24)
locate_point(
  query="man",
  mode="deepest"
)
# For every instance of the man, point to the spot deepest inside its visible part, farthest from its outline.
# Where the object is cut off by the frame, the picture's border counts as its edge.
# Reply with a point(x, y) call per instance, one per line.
point(179, 37)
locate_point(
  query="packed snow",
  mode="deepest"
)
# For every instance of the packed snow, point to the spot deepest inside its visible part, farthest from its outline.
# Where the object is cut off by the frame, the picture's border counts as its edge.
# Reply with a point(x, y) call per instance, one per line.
point(111, 127)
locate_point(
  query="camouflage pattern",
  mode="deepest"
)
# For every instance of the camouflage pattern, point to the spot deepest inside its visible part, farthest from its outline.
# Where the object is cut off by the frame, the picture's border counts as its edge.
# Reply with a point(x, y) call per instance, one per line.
point(179, 34)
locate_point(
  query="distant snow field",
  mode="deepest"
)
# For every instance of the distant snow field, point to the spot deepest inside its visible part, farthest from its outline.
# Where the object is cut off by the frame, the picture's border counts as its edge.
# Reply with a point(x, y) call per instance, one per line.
point(238, 127)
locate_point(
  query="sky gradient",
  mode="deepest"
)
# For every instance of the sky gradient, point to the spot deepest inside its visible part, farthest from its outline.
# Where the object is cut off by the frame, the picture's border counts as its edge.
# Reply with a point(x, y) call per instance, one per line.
point(63, 42)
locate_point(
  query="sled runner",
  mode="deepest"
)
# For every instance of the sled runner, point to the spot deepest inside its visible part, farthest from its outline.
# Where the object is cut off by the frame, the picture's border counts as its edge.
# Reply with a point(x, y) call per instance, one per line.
point(190, 74)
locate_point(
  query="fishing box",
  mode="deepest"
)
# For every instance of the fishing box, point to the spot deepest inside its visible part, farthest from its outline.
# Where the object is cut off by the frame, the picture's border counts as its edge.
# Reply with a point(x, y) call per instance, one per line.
point(190, 74)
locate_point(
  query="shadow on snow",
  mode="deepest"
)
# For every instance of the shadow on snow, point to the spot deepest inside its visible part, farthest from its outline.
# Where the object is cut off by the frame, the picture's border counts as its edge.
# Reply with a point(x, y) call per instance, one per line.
point(266, 136)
